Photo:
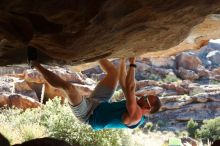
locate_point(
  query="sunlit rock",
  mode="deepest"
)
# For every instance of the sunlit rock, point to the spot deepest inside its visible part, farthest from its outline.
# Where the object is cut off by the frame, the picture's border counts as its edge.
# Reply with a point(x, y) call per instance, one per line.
point(186, 74)
point(188, 60)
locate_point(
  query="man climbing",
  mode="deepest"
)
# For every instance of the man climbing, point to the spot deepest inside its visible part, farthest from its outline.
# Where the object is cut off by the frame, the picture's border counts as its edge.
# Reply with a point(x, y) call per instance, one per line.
point(97, 110)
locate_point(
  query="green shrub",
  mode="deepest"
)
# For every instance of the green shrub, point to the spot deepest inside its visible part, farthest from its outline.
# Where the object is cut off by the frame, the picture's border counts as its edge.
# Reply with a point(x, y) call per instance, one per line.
point(155, 77)
point(32, 131)
point(57, 121)
point(62, 124)
point(117, 94)
point(183, 134)
point(214, 82)
point(209, 130)
point(192, 126)
point(161, 123)
point(170, 78)
point(24, 125)
point(148, 127)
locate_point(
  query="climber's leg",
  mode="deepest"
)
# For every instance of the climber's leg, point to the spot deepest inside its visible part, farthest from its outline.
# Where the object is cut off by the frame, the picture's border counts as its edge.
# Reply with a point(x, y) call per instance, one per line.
point(74, 96)
point(81, 107)
point(106, 87)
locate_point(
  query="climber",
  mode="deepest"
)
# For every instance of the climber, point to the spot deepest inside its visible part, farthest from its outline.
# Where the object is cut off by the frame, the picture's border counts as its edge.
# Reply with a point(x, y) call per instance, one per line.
point(97, 110)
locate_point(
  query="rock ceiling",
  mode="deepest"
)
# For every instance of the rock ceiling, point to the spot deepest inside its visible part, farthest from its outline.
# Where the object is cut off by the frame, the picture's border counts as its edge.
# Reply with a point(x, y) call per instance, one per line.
point(79, 31)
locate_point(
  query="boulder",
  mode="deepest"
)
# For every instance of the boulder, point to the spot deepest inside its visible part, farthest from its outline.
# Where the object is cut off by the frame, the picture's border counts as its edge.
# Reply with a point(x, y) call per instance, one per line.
point(217, 78)
point(214, 44)
point(149, 90)
point(163, 62)
point(142, 70)
point(188, 60)
point(200, 97)
point(202, 72)
point(100, 29)
point(171, 98)
point(180, 90)
point(13, 85)
point(144, 83)
point(4, 99)
point(31, 75)
point(172, 86)
point(162, 71)
point(175, 102)
point(200, 89)
point(141, 67)
point(6, 70)
point(214, 57)
point(93, 70)
point(194, 90)
point(175, 98)
point(23, 88)
point(174, 105)
point(205, 97)
point(202, 53)
point(215, 71)
point(65, 74)
point(74, 77)
point(187, 74)
point(23, 102)
point(7, 84)
point(32, 84)
point(18, 101)
point(196, 111)
point(168, 93)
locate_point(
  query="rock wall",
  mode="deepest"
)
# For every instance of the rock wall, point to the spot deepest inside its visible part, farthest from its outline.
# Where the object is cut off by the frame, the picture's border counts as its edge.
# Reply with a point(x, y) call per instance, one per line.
point(79, 31)
point(30, 90)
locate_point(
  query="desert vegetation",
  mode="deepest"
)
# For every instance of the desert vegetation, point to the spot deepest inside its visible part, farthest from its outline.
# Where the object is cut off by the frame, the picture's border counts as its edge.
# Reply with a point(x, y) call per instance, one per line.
point(57, 121)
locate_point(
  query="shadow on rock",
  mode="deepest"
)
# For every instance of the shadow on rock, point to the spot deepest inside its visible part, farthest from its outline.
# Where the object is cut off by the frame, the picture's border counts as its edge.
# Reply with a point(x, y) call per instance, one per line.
point(216, 143)
point(45, 142)
point(37, 142)
point(3, 141)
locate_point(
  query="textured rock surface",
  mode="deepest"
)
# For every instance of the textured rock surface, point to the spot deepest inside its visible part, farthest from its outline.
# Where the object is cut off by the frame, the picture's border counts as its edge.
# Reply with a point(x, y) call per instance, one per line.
point(79, 31)
point(188, 60)
point(197, 38)
point(26, 89)
point(214, 57)
point(18, 101)
point(187, 74)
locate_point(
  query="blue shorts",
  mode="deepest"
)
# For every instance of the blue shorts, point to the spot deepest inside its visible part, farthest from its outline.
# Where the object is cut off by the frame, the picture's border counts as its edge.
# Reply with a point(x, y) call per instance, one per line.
point(85, 109)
